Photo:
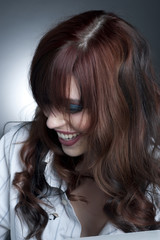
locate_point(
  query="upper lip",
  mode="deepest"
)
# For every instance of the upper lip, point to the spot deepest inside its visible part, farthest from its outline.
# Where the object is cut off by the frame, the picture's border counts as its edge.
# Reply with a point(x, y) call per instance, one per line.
point(66, 132)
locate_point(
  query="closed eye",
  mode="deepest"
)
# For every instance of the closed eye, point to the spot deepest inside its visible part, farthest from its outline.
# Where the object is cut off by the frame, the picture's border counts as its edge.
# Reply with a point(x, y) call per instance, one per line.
point(75, 108)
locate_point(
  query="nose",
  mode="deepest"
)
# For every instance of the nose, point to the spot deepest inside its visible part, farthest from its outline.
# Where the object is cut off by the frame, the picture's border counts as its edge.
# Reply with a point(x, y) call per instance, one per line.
point(56, 120)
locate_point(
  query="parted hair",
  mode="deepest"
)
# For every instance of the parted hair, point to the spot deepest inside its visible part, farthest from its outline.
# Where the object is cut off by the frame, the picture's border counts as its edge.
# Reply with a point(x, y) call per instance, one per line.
point(111, 64)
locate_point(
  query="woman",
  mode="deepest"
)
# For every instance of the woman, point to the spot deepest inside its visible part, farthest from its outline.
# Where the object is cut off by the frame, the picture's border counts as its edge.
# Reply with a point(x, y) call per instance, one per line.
point(88, 163)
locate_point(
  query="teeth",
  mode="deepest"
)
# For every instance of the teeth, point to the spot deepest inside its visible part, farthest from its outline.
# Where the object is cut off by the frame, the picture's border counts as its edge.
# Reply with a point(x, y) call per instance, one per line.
point(67, 136)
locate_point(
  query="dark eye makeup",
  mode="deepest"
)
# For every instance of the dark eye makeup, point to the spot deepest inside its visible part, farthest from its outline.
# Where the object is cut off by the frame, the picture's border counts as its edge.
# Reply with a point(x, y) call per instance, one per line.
point(71, 107)
point(75, 108)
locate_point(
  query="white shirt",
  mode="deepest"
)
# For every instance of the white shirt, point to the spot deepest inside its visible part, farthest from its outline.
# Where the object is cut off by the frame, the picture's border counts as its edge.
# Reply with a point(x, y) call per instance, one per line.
point(65, 225)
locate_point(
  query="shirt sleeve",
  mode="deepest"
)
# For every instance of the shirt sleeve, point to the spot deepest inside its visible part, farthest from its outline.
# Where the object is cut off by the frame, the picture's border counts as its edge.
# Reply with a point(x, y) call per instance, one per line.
point(4, 191)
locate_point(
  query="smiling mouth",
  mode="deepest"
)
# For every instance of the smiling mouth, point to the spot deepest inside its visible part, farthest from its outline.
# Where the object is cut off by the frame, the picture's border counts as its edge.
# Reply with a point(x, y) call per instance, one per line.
point(67, 137)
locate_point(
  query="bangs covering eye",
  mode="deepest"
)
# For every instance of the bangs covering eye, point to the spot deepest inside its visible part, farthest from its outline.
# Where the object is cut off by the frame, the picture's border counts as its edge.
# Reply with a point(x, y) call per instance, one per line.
point(75, 108)
point(68, 108)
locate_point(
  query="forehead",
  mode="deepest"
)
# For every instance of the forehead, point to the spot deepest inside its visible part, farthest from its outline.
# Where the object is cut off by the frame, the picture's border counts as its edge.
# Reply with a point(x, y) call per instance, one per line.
point(74, 92)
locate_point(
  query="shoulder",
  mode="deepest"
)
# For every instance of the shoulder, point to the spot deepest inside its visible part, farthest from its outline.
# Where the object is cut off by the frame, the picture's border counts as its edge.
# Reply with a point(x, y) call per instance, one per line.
point(10, 163)
point(12, 141)
point(16, 134)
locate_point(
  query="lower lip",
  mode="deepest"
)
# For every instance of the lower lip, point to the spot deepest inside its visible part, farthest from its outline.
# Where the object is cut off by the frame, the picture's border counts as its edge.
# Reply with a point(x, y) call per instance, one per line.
point(69, 142)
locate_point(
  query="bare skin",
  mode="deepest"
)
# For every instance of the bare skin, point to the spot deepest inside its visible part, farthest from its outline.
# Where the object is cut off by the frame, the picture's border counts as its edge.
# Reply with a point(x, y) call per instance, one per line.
point(90, 213)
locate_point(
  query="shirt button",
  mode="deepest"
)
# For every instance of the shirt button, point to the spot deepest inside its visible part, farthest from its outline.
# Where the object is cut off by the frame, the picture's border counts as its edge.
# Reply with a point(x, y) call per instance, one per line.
point(64, 202)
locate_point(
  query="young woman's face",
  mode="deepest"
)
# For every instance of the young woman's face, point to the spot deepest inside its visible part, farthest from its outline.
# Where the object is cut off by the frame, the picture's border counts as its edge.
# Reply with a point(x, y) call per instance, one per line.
point(72, 126)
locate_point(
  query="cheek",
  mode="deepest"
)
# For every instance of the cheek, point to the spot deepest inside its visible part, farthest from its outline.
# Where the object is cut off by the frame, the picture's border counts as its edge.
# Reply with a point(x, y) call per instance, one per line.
point(80, 121)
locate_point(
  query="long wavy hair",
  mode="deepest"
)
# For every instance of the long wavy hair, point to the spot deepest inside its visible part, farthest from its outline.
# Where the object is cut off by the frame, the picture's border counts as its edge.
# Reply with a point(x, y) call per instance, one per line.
point(111, 64)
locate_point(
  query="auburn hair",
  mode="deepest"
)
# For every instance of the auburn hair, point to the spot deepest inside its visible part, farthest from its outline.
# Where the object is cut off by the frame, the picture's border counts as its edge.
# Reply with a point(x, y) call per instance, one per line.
point(110, 62)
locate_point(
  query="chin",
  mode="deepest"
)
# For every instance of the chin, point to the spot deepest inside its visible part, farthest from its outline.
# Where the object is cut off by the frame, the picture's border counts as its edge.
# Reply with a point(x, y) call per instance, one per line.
point(72, 152)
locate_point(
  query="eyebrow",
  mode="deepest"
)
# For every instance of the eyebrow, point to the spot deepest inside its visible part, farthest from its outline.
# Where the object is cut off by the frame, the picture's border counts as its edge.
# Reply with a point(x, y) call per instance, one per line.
point(75, 101)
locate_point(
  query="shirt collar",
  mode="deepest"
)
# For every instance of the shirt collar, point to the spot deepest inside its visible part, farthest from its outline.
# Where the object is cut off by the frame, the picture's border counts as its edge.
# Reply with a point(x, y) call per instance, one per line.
point(51, 176)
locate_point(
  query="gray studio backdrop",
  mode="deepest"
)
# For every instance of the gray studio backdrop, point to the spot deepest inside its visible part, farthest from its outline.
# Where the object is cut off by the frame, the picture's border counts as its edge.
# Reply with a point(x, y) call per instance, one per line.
point(23, 23)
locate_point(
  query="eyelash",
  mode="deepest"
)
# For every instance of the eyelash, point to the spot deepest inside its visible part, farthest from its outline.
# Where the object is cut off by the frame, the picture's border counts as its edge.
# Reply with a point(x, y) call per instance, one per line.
point(75, 108)
point(72, 109)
